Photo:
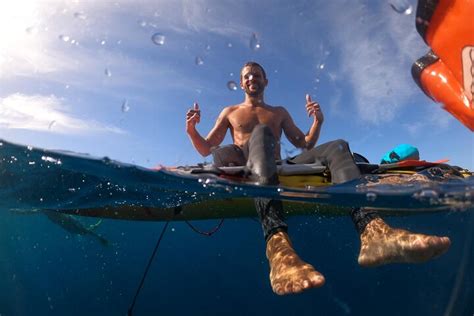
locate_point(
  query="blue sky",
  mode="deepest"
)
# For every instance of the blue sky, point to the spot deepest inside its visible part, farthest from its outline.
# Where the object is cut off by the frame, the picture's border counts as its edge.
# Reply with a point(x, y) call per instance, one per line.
point(86, 76)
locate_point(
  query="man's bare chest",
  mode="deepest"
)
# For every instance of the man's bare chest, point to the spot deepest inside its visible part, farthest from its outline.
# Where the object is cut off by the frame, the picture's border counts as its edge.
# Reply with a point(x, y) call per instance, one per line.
point(245, 121)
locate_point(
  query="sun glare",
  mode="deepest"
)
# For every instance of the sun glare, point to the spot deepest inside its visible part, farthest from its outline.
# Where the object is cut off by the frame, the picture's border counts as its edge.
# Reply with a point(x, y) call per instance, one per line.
point(19, 22)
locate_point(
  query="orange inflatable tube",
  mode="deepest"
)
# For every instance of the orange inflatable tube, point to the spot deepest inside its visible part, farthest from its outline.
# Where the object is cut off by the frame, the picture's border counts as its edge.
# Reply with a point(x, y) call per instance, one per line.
point(446, 73)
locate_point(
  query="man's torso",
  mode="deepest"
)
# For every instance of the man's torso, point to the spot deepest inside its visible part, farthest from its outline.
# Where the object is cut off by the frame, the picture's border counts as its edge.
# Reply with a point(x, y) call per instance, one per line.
point(243, 119)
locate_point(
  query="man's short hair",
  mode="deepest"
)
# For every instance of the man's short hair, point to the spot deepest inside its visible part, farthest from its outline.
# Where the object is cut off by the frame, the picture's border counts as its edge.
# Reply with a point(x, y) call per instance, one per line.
point(254, 64)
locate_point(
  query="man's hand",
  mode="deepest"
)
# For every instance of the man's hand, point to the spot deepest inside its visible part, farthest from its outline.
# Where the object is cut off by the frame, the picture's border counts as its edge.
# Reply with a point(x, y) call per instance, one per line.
point(313, 108)
point(193, 117)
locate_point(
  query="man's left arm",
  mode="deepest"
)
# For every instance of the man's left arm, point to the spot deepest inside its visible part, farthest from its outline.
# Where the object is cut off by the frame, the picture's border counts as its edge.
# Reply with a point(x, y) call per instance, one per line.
point(314, 109)
point(295, 135)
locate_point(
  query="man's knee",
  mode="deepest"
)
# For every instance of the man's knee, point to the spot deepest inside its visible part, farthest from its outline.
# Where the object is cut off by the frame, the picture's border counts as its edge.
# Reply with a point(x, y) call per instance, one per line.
point(262, 135)
point(228, 156)
point(339, 144)
point(262, 129)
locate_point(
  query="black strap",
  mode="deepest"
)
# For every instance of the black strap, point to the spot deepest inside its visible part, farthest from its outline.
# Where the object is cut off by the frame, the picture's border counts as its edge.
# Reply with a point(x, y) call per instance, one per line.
point(208, 233)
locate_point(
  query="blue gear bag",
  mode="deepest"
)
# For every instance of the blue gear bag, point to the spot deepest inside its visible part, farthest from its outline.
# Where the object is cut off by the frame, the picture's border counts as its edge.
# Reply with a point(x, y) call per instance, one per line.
point(401, 152)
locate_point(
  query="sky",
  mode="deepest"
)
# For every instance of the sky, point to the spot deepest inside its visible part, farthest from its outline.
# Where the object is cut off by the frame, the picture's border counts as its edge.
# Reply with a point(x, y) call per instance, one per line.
point(115, 78)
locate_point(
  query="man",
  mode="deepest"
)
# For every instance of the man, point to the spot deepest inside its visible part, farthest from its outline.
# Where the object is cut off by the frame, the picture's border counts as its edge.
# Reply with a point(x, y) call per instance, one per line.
point(256, 129)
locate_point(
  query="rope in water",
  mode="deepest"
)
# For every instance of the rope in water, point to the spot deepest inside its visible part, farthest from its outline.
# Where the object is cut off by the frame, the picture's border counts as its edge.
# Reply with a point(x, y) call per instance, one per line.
point(130, 310)
point(208, 233)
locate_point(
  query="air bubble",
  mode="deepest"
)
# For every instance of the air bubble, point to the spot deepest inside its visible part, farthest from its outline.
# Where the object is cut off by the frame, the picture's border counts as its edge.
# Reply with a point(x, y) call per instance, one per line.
point(428, 195)
point(371, 197)
point(51, 160)
point(158, 39)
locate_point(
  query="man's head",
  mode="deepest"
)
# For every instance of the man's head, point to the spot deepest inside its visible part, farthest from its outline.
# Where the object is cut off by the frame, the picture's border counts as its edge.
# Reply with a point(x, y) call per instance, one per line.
point(253, 78)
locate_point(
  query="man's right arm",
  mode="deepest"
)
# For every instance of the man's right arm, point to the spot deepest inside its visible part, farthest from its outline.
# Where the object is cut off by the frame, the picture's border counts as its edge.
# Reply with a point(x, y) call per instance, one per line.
point(214, 138)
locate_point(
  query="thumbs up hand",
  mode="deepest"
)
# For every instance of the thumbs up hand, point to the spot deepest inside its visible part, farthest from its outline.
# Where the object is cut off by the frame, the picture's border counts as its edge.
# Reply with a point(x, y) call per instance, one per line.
point(314, 109)
point(193, 116)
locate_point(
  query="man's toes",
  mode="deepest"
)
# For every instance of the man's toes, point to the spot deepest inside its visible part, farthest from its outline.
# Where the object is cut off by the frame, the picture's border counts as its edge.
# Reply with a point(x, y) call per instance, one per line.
point(442, 245)
point(297, 287)
point(277, 288)
point(316, 280)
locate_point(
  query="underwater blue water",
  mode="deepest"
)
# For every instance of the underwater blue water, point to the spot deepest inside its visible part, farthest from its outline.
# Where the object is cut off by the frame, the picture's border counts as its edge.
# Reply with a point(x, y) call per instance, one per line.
point(51, 269)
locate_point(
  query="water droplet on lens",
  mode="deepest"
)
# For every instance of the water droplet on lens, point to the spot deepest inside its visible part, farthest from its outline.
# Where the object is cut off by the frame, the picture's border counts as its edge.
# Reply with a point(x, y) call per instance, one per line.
point(107, 72)
point(50, 126)
point(401, 7)
point(31, 30)
point(254, 42)
point(371, 197)
point(428, 194)
point(231, 85)
point(80, 15)
point(198, 61)
point(210, 181)
point(158, 39)
point(125, 106)
point(64, 38)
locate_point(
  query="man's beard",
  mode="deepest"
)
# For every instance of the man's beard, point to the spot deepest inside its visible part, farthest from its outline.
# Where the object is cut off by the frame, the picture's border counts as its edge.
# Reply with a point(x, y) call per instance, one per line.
point(254, 93)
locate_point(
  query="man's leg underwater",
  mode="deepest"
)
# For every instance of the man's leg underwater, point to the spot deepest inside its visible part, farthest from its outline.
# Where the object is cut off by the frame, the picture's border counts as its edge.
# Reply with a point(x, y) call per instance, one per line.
point(380, 243)
point(288, 273)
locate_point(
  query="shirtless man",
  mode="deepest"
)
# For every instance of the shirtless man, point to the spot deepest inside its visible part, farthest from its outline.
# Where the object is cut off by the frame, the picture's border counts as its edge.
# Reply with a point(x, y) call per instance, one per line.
point(380, 244)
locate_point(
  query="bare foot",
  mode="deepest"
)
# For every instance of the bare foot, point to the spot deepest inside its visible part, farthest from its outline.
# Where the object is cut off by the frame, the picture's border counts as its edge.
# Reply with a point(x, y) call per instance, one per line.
point(381, 244)
point(288, 273)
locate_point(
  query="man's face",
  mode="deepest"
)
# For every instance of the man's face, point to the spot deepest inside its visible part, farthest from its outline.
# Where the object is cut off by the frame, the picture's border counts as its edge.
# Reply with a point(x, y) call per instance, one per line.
point(252, 80)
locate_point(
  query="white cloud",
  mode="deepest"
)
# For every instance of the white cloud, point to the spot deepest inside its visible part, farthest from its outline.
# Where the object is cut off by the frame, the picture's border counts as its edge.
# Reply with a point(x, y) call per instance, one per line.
point(33, 47)
point(377, 47)
point(47, 114)
point(434, 116)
